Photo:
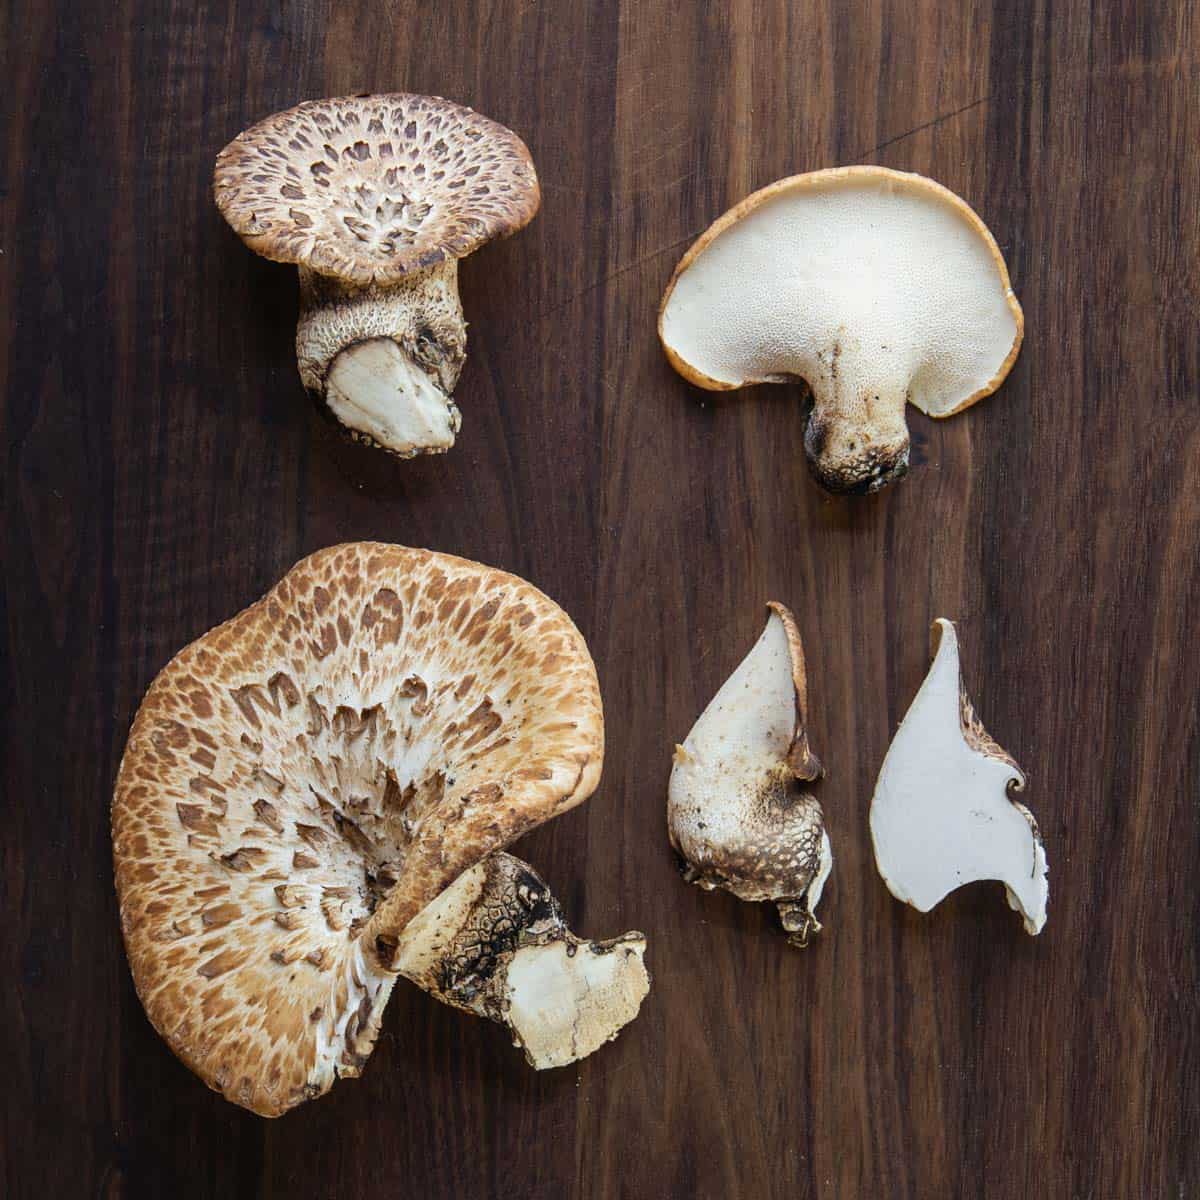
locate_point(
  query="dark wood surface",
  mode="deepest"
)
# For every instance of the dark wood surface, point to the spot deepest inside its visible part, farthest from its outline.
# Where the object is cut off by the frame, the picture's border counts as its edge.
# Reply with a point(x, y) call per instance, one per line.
point(162, 468)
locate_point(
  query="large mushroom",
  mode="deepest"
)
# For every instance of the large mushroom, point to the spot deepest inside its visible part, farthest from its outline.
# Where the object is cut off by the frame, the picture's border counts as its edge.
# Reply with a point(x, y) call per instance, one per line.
point(310, 803)
point(375, 199)
point(876, 287)
point(739, 812)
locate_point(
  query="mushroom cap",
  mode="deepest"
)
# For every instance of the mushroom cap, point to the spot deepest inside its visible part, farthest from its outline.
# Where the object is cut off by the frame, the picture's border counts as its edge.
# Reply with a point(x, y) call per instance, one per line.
point(370, 188)
point(889, 271)
point(304, 779)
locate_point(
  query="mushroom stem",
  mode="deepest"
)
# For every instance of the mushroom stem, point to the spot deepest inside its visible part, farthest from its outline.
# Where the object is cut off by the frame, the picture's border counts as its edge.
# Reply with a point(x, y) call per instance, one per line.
point(383, 360)
point(494, 943)
point(856, 441)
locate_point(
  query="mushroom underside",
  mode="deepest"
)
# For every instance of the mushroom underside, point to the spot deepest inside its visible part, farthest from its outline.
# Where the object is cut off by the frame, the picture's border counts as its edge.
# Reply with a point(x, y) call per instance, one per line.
point(876, 287)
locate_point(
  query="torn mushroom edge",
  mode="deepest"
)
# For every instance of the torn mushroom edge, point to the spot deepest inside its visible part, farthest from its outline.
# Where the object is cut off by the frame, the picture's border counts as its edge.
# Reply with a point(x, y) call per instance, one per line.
point(811, 179)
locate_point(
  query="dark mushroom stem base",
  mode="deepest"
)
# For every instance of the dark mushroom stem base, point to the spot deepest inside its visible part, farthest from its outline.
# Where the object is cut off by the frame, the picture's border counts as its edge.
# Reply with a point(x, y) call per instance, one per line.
point(383, 360)
point(856, 441)
point(495, 944)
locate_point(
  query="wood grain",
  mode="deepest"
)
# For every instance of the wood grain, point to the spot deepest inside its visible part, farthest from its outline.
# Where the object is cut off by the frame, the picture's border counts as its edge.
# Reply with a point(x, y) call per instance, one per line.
point(162, 469)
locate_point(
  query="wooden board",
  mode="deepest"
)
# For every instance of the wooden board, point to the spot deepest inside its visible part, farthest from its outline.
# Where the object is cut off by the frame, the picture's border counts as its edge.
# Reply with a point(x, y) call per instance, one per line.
point(162, 469)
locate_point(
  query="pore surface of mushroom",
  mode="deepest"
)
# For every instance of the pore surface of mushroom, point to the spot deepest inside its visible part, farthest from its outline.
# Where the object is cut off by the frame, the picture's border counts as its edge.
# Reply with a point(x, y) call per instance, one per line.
point(375, 199)
point(738, 812)
point(876, 287)
point(305, 779)
point(942, 815)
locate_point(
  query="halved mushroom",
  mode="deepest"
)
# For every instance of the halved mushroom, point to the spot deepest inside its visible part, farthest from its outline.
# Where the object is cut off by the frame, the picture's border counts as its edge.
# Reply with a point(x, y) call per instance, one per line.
point(375, 199)
point(737, 811)
point(304, 780)
point(877, 287)
point(943, 814)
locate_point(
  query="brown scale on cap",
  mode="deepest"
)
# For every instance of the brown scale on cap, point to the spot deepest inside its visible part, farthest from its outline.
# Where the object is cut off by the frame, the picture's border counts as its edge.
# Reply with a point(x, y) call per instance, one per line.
point(304, 779)
point(375, 199)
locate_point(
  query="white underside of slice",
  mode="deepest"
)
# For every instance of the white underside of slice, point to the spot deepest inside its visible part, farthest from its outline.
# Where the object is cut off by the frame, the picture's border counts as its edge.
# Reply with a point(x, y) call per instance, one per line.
point(375, 389)
point(942, 816)
point(742, 735)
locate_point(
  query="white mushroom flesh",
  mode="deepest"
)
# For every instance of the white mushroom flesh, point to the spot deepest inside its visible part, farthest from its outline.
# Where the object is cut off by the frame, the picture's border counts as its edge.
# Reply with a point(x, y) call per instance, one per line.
point(737, 811)
point(942, 815)
point(375, 390)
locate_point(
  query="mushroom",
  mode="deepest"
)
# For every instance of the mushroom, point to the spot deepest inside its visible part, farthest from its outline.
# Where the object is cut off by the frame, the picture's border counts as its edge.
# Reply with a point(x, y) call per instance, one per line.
point(737, 811)
point(876, 287)
point(375, 199)
point(943, 814)
point(309, 805)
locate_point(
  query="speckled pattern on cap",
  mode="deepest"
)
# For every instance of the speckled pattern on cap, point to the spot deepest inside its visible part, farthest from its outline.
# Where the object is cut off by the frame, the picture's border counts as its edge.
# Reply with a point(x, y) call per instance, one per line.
point(370, 188)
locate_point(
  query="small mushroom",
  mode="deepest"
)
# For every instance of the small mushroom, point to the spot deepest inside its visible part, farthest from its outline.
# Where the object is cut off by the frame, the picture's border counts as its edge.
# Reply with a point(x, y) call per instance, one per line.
point(375, 199)
point(738, 812)
point(303, 781)
point(943, 814)
point(877, 287)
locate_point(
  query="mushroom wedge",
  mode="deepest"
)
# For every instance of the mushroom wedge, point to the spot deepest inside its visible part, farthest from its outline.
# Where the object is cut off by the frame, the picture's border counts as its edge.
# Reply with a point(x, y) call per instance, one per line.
point(738, 812)
point(878, 288)
point(375, 199)
point(343, 757)
point(943, 815)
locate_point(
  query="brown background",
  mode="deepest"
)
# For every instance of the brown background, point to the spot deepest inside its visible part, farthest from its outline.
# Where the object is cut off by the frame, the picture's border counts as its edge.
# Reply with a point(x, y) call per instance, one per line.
point(162, 469)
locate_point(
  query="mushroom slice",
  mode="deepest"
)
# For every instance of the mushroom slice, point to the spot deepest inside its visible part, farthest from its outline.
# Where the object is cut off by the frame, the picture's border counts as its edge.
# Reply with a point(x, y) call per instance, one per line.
point(942, 815)
point(737, 810)
point(495, 944)
point(375, 199)
point(303, 780)
point(876, 287)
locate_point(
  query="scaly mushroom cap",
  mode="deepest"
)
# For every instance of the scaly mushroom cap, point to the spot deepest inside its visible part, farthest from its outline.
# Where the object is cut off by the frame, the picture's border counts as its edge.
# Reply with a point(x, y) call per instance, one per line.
point(369, 188)
point(943, 814)
point(737, 812)
point(876, 287)
point(305, 778)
